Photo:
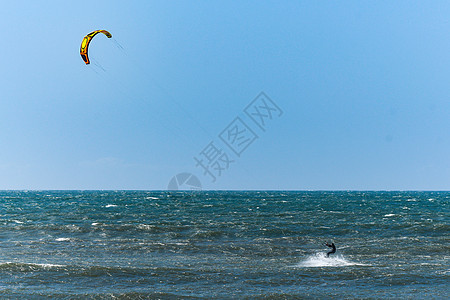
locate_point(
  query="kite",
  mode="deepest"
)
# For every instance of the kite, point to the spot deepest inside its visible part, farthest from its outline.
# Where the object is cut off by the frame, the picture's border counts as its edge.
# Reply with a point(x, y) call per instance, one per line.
point(85, 43)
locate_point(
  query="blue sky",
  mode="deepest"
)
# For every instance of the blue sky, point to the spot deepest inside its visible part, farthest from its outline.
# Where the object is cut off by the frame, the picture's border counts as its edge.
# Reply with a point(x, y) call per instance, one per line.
point(363, 87)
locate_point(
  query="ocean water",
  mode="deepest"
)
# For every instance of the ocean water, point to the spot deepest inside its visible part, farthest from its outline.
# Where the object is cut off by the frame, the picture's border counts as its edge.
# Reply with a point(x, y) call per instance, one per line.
point(224, 245)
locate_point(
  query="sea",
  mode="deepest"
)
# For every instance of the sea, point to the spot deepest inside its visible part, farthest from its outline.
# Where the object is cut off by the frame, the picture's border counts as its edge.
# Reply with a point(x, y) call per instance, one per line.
point(224, 245)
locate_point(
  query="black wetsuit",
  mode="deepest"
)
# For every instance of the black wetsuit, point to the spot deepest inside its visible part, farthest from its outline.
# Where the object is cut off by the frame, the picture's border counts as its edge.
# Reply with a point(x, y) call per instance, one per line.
point(333, 249)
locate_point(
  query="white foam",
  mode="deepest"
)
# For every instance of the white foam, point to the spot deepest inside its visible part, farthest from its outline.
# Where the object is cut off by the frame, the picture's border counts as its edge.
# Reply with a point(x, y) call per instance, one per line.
point(321, 260)
point(62, 239)
point(111, 205)
point(48, 265)
point(145, 226)
point(389, 215)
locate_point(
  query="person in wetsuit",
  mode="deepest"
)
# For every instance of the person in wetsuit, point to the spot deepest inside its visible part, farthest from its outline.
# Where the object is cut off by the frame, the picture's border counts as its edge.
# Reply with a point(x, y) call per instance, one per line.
point(333, 248)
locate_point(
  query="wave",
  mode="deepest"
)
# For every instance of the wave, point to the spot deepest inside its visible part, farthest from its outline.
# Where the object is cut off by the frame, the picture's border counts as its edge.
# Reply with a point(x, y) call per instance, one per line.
point(22, 267)
point(97, 270)
point(321, 260)
point(63, 239)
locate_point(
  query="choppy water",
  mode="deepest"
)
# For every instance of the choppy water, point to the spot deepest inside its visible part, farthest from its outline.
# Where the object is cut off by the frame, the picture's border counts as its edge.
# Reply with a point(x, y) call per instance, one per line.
point(139, 245)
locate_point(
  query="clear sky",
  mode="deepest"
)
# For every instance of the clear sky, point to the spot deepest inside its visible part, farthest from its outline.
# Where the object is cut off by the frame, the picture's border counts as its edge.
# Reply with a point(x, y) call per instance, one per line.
point(363, 87)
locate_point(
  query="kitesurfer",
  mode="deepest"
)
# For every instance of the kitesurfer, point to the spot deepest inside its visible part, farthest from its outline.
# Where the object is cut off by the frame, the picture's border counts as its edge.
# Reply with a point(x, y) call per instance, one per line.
point(333, 248)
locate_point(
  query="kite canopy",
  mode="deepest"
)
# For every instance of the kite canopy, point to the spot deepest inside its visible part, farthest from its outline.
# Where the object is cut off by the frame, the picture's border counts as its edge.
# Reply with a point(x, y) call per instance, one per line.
point(85, 43)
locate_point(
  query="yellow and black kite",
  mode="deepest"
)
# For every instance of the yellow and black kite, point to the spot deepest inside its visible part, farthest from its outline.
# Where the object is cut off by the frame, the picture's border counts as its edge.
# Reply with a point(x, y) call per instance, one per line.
point(85, 43)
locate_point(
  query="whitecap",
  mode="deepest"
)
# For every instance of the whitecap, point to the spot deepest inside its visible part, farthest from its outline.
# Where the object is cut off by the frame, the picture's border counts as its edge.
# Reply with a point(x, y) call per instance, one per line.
point(389, 215)
point(111, 205)
point(145, 227)
point(47, 265)
point(63, 239)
